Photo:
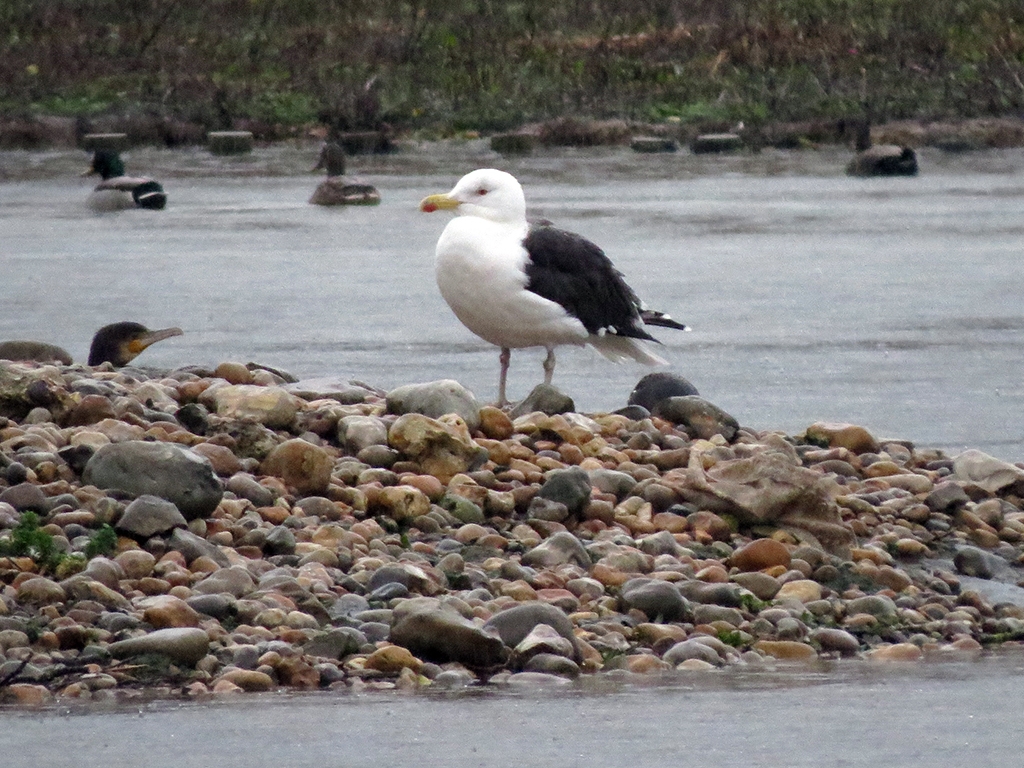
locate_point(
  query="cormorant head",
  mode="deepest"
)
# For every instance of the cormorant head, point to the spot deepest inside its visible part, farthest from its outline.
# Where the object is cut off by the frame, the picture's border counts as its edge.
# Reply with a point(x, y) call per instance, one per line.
point(120, 343)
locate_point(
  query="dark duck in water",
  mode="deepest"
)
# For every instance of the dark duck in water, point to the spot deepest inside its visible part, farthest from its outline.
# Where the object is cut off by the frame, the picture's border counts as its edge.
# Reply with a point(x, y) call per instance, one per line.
point(117, 191)
point(336, 189)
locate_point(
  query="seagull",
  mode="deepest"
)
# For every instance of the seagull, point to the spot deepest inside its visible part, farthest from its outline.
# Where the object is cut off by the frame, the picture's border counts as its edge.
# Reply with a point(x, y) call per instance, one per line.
point(516, 284)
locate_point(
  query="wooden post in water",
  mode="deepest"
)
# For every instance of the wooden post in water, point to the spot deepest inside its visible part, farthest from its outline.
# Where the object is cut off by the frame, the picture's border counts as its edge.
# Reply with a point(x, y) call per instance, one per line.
point(229, 142)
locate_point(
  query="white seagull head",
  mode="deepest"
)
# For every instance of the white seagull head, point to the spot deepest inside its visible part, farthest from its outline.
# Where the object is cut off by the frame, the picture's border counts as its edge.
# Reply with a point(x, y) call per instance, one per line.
point(487, 193)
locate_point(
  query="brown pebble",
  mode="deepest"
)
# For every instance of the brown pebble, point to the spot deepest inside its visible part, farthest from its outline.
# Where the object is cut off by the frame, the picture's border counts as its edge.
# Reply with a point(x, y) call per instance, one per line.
point(495, 423)
point(233, 373)
point(760, 554)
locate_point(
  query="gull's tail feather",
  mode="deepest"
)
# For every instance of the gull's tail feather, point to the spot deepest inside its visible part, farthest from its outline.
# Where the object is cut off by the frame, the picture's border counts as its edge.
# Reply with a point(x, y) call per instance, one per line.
point(621, 348)
point(653, 317)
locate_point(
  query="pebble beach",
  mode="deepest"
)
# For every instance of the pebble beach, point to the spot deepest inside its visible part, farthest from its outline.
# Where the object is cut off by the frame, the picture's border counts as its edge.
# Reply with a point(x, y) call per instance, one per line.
point(207, 533)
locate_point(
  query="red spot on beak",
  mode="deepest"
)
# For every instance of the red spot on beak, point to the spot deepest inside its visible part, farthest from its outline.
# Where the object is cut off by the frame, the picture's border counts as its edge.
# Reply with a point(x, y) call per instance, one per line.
point(428, 207)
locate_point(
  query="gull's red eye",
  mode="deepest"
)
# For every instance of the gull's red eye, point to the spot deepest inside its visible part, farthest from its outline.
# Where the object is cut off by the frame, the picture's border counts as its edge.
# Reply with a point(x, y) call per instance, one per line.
point(481, 191)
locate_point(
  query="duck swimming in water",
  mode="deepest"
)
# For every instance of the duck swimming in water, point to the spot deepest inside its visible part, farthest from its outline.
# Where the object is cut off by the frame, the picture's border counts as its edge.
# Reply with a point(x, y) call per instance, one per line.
point(117, 191)
point(117, 344)
point(880, 159)
point(336, 189)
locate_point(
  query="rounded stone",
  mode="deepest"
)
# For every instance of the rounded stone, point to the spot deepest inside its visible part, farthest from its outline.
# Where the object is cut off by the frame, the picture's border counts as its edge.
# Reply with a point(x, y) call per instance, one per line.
point(837, 435)
point(40, 589)
point(761, 554)
point(804, 590)
point(149, 516)
point(301, 465)
point(169, 471)
point(836, 640)
point(436, 399)
point(273, 407)
point(657, 599)
point(655, 387)
point(186, 645)
point(700, 418)
point(392, 659)
point(570, 487)
point(790, 650)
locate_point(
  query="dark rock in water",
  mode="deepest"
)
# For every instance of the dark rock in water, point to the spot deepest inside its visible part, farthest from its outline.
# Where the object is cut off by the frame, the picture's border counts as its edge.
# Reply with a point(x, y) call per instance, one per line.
point(171, 472)
point(714, 143)
point(148, 516)
point(655, 387)
point(514, 624)
point(660, 600)
point(513, 143)
point(570, 487)
point(700, 418)
point(186, 645)
point(649, 144)
point(546, 399)
point(442, 635)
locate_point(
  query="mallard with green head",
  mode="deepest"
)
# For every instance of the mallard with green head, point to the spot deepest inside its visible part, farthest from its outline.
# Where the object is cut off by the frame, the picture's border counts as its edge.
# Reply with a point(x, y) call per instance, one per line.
point(336, 189)
point(117, 191)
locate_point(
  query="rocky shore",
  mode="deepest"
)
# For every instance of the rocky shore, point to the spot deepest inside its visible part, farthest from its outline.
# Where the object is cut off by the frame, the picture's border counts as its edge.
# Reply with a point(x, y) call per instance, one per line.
point(200, 533)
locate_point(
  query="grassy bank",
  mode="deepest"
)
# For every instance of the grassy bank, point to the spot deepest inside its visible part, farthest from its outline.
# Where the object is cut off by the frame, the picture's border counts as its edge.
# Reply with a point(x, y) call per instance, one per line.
point(279, 65)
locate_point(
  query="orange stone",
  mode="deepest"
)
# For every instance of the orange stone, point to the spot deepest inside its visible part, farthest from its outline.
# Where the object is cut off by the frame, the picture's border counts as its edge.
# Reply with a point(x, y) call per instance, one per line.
point(789, 650)
point(761, 554)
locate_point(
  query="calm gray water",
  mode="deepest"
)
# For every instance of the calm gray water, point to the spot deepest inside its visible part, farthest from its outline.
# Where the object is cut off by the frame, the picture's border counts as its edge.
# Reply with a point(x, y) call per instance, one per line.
point(893, 303)
point(946, 715)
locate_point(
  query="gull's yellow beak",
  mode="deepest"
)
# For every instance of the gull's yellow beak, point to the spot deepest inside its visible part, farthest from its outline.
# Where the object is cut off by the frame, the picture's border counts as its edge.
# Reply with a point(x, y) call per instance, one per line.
point(433, 203)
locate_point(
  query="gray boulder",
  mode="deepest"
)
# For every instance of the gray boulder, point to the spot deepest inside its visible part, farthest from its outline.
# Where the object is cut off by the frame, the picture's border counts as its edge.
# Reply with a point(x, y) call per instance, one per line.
point(558, 549)
point(440, 635)
point(149, 516)
point(972, 561)
point(657, 599)
point(697, 416)
point(546, 399)
point(514, 624)
point(655, 387)
point(435, 399)
point(185, 645)
point(192, 546)
point(169, 471)
point(570, 487)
